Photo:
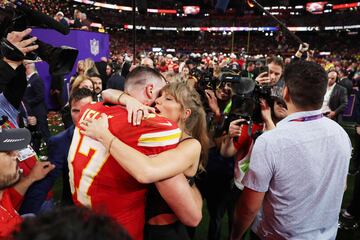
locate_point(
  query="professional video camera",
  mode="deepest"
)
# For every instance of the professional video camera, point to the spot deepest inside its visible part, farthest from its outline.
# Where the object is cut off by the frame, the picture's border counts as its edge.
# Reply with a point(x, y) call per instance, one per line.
point(245, 101)
point(17, 16)
point(204, 79)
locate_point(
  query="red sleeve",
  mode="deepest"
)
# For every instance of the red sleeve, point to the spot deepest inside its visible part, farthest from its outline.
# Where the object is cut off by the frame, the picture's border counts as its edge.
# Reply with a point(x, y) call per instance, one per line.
point(244, 140)
point(16, 198)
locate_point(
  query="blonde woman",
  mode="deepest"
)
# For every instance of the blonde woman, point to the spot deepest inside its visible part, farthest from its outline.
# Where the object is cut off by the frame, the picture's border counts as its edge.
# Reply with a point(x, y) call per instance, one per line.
point(82, 82)
point(89, 65)
point(181, 104)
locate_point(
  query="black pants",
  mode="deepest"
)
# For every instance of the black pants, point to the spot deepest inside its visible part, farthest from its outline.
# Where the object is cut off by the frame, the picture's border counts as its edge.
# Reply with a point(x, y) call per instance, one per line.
point(221, 196)
point(175, 231)
point(354, 208)
point(42, 127)
point(253, 236)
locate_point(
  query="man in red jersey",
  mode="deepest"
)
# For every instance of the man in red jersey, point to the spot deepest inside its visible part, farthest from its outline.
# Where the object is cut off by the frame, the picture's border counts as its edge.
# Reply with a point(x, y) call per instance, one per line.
point(99, 182)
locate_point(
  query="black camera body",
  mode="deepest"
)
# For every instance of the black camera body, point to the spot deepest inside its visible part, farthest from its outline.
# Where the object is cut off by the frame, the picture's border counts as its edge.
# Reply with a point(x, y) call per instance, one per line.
point(205, 80)
point(17, 16)
point(245, 102)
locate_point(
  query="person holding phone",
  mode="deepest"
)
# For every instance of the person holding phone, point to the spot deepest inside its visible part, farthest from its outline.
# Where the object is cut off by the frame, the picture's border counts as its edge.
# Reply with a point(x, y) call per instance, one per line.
point(273, 74)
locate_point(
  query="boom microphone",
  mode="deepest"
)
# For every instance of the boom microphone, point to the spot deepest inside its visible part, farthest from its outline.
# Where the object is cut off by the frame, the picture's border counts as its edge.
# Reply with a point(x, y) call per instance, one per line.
point(36, 18)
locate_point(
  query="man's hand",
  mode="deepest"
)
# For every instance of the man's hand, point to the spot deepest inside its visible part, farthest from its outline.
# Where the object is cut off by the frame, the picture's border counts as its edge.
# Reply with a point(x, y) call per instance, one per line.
point(136, 110)
point(303, 47)
point(358, 130)
point(263, 78)
point(133, 66)
point(310, 55)
point(31, 120)
point(40, 170)
point(331, 115)
point(212, 100)
point(25, 46)
point(235, 129)
point(16, 38)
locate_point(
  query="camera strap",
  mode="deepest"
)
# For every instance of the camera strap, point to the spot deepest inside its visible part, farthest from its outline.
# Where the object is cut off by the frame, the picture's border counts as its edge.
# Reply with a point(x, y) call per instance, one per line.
point(11, 52)
point(250, 129)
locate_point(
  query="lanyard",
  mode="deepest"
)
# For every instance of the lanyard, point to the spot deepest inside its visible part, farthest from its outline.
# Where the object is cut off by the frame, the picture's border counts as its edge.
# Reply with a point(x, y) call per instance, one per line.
point(228, 107)
point(308, 118)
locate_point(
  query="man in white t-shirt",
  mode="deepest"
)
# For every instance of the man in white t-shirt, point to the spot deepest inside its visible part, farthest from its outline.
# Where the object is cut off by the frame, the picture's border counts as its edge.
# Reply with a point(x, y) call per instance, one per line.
point(298, 170)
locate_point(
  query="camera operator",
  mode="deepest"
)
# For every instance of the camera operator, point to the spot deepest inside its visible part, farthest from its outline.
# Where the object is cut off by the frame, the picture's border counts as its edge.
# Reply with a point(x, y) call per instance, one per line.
point(14, 83)
point(216, 184)
point(279, 164)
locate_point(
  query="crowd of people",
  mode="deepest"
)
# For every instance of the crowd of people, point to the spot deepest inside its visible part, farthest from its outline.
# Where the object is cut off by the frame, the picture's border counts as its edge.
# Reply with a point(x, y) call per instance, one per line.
point(76, 17)
point(181, 129)
point(149, 137)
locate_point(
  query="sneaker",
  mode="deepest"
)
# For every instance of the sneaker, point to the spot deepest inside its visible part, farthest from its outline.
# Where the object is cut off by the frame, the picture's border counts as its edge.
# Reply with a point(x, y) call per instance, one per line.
point(345, 224)
point(353, 172)
point(345, 214)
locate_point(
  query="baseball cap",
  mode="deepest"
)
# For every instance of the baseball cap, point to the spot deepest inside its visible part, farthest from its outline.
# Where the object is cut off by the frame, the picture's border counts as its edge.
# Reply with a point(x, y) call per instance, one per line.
point(60, 13)
point(14, 139)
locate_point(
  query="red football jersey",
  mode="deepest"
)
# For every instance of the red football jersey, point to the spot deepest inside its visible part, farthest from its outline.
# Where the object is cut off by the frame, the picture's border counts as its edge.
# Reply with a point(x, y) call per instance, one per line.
point(99, 182)
point(9, 218)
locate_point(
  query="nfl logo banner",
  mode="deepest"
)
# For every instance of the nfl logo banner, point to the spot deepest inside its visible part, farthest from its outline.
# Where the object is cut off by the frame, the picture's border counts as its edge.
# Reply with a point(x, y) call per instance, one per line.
point(92, 45)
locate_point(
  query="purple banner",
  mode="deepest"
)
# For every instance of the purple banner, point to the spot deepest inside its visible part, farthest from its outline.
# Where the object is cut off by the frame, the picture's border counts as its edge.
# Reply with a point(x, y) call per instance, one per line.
point(349, 109)
point(90, 45)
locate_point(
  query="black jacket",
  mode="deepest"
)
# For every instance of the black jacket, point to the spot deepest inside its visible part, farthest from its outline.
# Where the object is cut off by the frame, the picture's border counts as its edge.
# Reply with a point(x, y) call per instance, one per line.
point(35, 96)
point(12, 83)
point(116, 81)
point(347, 83)
point(338, 101)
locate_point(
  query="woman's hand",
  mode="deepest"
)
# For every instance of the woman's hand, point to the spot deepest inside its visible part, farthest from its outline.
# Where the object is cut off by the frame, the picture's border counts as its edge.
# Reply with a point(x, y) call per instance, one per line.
point(212, 100)
point(136, 110)
point(95, 128)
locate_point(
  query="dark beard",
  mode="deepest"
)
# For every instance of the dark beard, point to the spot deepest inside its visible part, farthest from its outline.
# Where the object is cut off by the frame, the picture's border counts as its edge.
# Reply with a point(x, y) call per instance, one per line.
point(10, 180)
